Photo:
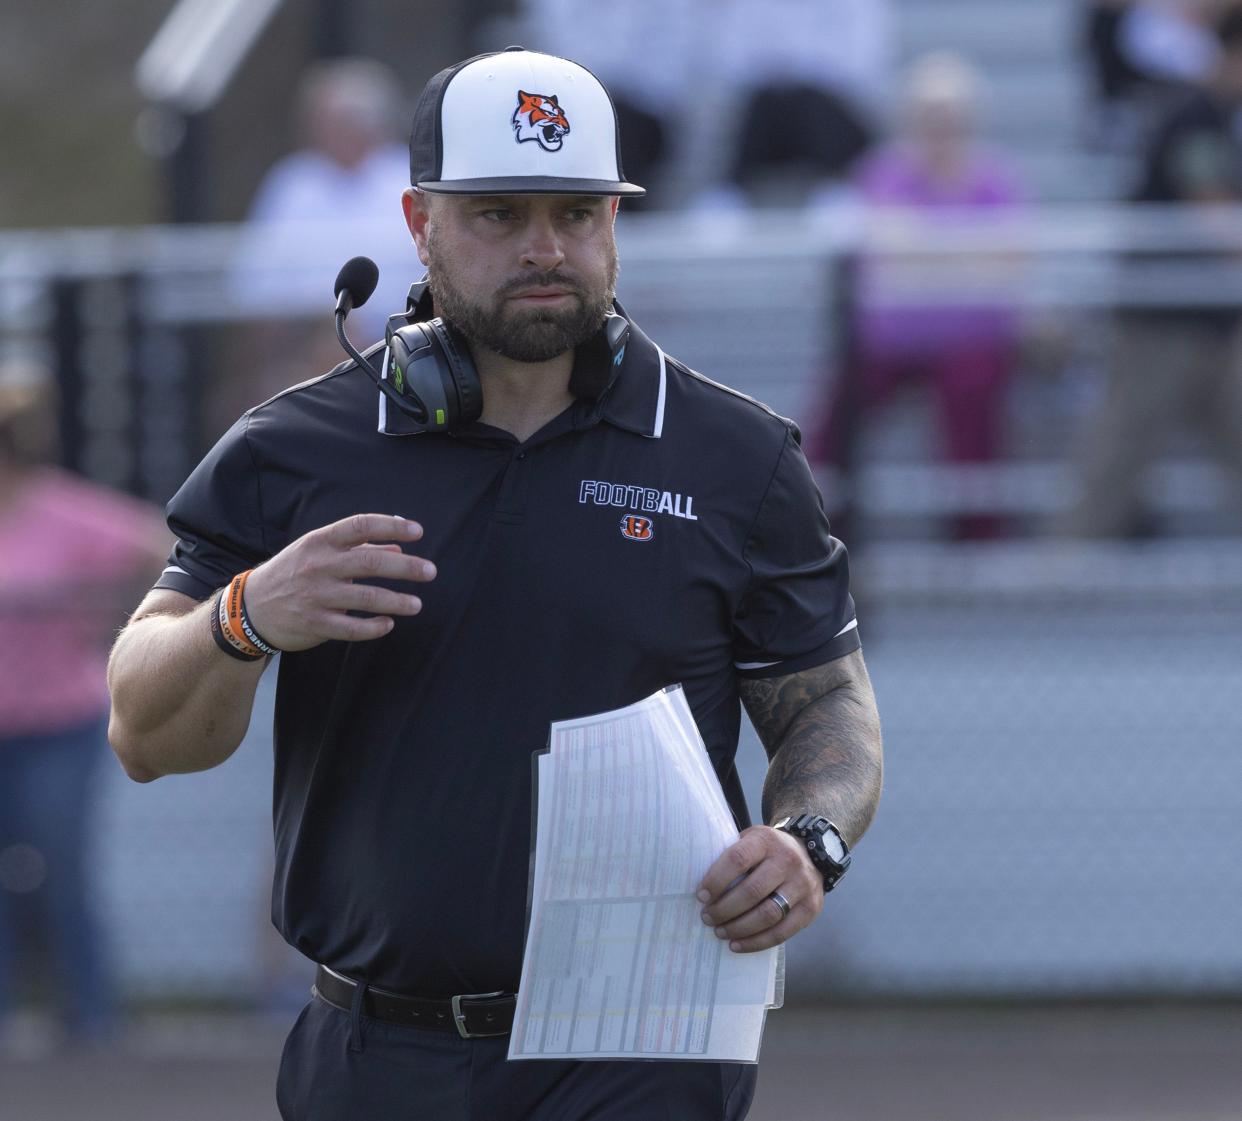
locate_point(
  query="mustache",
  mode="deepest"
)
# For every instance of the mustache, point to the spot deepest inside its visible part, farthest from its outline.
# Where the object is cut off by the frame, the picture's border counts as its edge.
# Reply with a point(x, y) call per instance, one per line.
point(554, 278)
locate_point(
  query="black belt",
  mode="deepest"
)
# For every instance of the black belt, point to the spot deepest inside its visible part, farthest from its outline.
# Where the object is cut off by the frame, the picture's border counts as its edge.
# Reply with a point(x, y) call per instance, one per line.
point(470, 1015)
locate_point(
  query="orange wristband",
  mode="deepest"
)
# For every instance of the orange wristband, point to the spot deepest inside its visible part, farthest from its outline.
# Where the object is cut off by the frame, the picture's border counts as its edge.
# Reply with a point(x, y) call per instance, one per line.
point(239, 622)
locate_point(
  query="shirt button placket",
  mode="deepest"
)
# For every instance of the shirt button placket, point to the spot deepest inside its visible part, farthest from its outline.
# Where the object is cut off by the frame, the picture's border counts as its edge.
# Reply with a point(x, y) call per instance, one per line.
point(511, 505)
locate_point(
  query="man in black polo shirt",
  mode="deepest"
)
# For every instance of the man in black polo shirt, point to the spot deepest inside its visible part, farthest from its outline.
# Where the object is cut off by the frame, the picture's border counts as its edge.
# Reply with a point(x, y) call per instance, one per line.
point(609, 523)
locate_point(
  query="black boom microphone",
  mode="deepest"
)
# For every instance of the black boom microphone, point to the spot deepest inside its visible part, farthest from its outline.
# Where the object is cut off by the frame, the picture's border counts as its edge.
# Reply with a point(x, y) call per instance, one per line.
point(355, 283)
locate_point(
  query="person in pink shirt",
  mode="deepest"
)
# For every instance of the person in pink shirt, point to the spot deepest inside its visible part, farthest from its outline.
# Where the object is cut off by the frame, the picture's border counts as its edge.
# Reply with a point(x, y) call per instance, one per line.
point(940, 323)
point(73, 559)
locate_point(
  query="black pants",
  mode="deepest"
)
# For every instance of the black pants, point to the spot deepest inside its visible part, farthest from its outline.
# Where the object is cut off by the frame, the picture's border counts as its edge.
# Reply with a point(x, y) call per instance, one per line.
point(336, 1068)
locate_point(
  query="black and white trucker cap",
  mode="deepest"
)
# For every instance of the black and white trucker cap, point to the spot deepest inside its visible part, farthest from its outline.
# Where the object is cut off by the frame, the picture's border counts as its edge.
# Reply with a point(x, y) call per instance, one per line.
point(517, 122)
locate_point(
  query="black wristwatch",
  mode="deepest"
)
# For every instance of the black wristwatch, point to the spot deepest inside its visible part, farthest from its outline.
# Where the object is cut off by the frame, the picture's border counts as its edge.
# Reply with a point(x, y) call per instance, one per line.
point(824, 844)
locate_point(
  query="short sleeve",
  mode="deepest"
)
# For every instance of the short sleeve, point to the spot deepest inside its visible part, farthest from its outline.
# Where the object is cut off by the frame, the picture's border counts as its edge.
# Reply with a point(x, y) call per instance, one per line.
point(797, 611)
point(216, 518)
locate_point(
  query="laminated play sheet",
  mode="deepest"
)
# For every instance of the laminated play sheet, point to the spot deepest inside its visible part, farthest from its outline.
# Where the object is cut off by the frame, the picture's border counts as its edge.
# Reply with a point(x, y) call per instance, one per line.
point(618, 964)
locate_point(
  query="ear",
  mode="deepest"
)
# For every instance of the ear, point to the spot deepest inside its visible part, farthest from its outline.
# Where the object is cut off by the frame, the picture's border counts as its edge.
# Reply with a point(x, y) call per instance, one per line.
point(554, 101)
point(416, 207)
point(525, 98)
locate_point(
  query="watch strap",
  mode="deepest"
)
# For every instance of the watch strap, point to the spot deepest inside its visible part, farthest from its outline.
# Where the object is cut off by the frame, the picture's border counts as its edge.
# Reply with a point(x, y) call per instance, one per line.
point(810, 829)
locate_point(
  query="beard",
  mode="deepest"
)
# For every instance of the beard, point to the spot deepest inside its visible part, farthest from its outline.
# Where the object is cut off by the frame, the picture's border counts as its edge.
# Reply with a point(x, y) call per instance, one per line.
point(526, 334)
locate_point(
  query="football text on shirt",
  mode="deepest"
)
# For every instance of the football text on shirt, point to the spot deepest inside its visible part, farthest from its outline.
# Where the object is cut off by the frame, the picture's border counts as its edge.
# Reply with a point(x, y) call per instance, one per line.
point(646, 499)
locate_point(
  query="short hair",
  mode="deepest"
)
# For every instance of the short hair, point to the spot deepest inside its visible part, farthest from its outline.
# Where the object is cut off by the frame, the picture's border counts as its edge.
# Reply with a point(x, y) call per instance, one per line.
point(943, 78)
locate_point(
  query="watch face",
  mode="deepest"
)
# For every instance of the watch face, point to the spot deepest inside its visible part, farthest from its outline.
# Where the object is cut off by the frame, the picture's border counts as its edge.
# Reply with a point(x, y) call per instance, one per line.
point(833, 845)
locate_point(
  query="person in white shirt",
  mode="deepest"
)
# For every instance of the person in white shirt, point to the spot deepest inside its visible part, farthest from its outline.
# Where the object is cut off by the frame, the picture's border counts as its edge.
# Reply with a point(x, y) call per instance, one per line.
point(316, 207)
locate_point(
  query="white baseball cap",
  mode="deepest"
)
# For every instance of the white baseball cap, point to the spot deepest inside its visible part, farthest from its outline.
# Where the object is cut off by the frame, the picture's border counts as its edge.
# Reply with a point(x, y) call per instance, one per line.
point(517, 122)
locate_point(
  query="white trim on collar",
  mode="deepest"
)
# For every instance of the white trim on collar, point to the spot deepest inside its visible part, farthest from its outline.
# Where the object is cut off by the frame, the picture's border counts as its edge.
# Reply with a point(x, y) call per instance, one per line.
point(657, 429)
point(383, 397)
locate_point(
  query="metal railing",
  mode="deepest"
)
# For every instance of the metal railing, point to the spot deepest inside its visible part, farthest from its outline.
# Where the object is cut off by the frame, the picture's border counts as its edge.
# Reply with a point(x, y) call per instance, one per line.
point(755, 299)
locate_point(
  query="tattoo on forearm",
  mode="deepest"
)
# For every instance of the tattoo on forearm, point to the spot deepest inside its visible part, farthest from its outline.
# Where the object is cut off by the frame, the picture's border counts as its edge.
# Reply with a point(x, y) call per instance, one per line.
point(822, 736)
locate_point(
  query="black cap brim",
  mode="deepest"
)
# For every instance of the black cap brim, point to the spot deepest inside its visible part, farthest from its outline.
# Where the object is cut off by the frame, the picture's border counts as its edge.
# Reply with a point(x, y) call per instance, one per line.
point(534, 185)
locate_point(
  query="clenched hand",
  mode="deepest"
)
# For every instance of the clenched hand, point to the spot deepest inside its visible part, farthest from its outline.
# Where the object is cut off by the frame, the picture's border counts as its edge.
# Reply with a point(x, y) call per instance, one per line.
point(737, 890)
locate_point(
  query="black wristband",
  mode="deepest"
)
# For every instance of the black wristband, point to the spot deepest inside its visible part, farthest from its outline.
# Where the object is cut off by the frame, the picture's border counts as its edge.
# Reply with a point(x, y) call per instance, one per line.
point(218, 634)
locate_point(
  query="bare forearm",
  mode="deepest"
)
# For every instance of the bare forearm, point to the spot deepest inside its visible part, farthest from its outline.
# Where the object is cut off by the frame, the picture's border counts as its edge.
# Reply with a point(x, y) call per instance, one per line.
point(822, 735)
point(828, 763)
point(178, 703)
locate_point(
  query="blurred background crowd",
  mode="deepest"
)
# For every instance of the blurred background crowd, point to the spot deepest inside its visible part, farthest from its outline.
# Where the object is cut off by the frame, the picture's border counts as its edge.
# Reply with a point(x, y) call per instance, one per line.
point(985, 252)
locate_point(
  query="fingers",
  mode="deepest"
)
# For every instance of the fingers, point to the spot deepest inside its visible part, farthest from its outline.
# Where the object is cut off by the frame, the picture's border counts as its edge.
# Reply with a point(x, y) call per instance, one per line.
point(766, 924)
point(749, 892)
point(380, 562)
point(348, 628)
point(314, 588)
point(738, 859)
point(737, 890)
point(361, 528)
point(798, 918)
point(373, 600)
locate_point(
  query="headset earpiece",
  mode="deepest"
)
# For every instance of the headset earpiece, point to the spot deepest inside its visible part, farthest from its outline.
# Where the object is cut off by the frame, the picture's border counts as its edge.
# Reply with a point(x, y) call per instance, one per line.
point(434, 373)
point(460, 367)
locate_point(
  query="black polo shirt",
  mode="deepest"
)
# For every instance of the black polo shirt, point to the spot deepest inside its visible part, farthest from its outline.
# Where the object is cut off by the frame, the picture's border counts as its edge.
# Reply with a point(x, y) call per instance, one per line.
point(666, 531)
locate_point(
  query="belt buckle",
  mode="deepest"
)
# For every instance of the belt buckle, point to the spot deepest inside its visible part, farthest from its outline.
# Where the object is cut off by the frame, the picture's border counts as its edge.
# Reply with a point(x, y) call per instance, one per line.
point(459, 1017)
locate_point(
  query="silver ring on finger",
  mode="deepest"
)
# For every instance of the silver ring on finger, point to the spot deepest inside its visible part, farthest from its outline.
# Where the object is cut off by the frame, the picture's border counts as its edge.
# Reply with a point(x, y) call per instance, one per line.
point(781, 902)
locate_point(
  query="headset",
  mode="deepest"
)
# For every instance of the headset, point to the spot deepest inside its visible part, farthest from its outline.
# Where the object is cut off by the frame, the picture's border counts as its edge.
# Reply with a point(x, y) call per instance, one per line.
point(430, 375)
point(430, 366)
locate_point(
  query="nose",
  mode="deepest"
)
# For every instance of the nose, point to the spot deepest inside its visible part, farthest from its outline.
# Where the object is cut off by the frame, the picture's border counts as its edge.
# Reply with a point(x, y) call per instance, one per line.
point(542, 248)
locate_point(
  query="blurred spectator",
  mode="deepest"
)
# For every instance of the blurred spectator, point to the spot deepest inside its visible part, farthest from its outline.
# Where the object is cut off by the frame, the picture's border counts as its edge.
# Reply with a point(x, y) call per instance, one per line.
point(1114, 75)
point(933, 322)
point(1142, 52)
point(646, 53)
point(1169, 40)
point(73, 558)
point(335, 198)
point(813, 75)
point(1180, 363)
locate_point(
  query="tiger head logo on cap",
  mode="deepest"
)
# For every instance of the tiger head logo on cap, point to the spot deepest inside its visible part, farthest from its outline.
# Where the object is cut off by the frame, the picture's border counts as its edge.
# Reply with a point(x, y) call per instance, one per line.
point(538, 117)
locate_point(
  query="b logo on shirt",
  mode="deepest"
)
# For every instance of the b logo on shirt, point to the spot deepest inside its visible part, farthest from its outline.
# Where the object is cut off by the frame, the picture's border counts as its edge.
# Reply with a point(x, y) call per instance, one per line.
point(636, 528)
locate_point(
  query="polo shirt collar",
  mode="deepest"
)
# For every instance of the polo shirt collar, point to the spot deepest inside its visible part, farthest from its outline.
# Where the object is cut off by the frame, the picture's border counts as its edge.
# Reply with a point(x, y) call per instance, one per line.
point(634, 398)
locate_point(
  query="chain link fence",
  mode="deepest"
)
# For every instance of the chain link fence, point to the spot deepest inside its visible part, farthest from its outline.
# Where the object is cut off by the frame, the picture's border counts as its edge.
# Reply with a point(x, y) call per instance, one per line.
point(1064, 792)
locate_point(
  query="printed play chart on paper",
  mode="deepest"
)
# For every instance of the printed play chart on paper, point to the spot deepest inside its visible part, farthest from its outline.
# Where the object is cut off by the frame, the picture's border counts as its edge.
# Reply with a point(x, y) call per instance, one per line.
point(618, 963)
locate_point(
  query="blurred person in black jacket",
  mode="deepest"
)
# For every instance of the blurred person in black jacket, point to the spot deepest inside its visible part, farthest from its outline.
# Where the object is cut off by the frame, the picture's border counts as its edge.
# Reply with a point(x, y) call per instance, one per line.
point(1143, 54)
point(1178, 363)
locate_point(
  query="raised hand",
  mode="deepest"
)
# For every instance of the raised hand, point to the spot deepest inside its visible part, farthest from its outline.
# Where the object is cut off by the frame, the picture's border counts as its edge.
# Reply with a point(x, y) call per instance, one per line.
point(303, 595)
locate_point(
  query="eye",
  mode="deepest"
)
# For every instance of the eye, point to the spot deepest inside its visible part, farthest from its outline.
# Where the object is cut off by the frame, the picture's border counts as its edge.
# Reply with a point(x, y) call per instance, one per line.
point(498, 214)
point(579, 214)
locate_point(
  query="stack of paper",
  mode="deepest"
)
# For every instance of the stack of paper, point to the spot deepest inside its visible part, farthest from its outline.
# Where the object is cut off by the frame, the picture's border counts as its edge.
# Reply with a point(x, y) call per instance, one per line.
point(618, 963)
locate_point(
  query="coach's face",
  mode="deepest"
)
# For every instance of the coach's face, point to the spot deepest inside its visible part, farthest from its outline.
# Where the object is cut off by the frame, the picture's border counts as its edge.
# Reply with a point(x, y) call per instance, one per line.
point(527, 276)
